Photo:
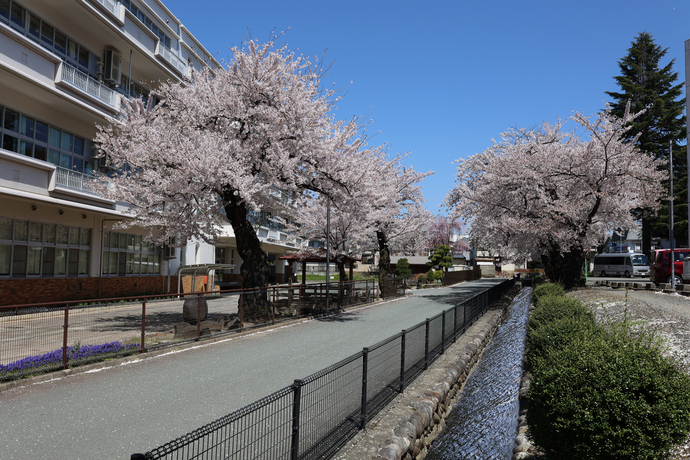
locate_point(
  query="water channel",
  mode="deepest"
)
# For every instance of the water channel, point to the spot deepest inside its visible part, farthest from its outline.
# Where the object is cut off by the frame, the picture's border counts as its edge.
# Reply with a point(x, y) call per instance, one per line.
point(483, 423)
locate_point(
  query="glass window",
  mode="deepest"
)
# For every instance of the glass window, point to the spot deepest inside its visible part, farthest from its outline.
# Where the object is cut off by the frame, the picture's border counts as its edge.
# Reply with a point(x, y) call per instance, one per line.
point(47, 33)
point(34, 263)
point(60, 42)
point(35, 232)
point(60, 261)
point(114, 239)
point(130, 242)
point(48, 261)
point(66, 161)
point(84, 237)
point(78, 145)
point(62, 234)
point(77, 164)
point(73, 262)
point(11, 120)
point(83, 58)
point(72, 49)
point(84, 261)
point(17, 15)
point(41, 132)
point(130, 262)
point(5, 253)
point(26, 148)
point(106, 239)
point(54, 157)
point(10, 143)
point(113, 263)
point(156, 263)
point(67, 142)
point(34, 26)
point(5, 228)
point(149, 264)
point(21, 230)
point(27, 127)
point(19, 261)
point(88, 167)
point(137, 245)
point(123, 241)
point(137, 263)
point(49, 233)
point(104, 262)
point(55, 137)
point(74, 236)
point(40, 152)
point(121, 263)
point(5, 13)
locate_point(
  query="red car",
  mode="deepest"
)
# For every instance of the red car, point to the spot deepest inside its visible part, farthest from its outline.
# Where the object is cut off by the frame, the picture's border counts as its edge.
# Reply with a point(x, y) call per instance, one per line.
point(660, 268)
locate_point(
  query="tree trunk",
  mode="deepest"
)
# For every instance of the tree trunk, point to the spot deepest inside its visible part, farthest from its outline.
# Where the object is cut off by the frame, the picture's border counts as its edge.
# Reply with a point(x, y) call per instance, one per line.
point(564, 268)
point(255, 269)
point(385, 273)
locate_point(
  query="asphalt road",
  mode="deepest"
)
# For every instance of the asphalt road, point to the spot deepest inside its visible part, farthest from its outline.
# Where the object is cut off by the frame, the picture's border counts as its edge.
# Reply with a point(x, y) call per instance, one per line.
point(134, 407)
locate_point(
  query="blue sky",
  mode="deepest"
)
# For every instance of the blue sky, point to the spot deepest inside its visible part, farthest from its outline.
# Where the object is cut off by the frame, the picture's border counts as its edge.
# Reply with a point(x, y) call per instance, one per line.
point(440, 79)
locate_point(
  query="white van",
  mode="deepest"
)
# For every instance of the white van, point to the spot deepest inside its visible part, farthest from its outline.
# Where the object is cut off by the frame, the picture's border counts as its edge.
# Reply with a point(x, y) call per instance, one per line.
point(630, 264)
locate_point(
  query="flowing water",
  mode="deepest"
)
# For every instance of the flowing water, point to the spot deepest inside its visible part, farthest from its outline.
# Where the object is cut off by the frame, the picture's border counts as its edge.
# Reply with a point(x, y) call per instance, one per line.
point(483, 423)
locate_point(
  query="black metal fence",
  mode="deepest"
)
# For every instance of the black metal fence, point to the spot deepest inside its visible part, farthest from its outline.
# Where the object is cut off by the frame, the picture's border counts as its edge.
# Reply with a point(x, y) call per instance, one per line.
point(315, 416)
point(47, 337)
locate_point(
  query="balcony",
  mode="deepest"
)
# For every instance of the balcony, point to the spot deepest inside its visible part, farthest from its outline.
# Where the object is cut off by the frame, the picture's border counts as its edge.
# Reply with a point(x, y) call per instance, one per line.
point(74, 180)
point(84, 82)
point(111, 5)
point(171, 57)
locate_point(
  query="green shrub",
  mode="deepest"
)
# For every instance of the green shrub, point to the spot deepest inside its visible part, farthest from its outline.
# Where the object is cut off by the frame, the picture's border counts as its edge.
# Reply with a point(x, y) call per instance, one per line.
point(608, 397)
point(551, 308)
point(402, 268)
point(554, 335)
point(431, 276)
point(546, 289)
point(421, 279)
point(438, 275)
point(538, 280)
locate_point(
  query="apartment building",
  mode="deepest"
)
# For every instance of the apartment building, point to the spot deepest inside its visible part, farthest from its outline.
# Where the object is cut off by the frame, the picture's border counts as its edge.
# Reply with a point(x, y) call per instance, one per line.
point(65, 66)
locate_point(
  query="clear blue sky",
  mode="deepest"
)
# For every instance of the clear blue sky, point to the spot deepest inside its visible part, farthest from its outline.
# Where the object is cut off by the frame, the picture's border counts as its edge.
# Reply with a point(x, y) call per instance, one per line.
point(440, 79)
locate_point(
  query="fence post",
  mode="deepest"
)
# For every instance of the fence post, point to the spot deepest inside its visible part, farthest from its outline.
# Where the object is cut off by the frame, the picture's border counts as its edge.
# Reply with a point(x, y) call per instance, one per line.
point(64, 338)
point(198, 317)
point(402, 361)
point(426, 346)
point(365, 360)
point(443, 332)
point(296, 402)
point(241, 306)
point(143, 325)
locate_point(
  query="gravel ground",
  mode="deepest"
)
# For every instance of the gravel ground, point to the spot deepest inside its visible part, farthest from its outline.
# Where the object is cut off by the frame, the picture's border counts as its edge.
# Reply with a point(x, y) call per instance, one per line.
point(666, 314)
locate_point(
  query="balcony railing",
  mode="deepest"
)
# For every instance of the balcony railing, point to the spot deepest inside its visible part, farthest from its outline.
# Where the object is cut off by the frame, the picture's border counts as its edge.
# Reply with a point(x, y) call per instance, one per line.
point(170, 56)
point(110, 5)
point(74, 180)
point(82, 81)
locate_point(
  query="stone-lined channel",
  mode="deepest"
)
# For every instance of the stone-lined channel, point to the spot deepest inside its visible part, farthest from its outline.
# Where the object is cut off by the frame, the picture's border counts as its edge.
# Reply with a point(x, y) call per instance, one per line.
point(483, 423)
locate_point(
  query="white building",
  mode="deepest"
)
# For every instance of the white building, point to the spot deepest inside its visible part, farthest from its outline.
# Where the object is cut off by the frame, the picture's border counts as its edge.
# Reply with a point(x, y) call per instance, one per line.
point(64, 67)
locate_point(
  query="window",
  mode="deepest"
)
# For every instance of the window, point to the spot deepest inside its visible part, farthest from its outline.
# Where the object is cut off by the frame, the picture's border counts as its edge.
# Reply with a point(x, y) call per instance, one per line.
point(5, 9)
point(17, 15)
point(29, 248)
point(127, 254)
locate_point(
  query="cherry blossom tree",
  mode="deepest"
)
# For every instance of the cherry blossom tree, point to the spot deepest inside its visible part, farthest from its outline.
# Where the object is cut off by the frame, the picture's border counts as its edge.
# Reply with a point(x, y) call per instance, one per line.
point(551, 193)
point(253, 136)
point(384, 210)
point(446, 231)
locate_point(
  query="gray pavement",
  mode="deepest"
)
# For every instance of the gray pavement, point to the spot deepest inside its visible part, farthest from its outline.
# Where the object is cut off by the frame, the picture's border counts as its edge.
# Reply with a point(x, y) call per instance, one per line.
point(136, 406)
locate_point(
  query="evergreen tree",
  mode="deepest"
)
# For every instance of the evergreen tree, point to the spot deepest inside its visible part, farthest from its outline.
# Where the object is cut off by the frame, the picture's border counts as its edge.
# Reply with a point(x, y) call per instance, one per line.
point(402, 268)
point(441, 257)
point(647, 85)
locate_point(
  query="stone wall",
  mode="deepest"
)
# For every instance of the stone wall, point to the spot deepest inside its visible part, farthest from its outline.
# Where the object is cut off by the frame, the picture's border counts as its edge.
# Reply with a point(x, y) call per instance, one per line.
point(406, 428)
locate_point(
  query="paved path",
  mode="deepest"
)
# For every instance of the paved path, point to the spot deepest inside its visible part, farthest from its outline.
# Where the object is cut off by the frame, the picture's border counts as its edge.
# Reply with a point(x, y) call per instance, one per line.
point(138, 406)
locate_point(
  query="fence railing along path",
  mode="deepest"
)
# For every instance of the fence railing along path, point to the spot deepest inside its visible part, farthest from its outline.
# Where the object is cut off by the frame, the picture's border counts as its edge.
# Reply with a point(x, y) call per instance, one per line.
point(314, 417)
point(52, 336)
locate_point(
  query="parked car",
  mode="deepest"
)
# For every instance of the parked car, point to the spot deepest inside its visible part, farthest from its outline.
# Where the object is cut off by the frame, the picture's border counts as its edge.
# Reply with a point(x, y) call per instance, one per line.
point(621, 264)
point(660, 270)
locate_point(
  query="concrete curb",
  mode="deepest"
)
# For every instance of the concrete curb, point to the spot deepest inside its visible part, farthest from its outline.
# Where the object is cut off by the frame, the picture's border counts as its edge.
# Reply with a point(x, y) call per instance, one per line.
point(406, 428)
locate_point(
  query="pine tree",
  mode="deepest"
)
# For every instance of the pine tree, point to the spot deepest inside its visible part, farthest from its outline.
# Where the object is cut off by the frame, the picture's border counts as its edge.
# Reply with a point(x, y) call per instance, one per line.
point(647, 85)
